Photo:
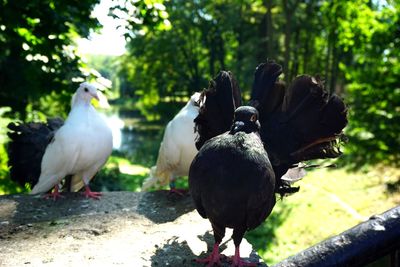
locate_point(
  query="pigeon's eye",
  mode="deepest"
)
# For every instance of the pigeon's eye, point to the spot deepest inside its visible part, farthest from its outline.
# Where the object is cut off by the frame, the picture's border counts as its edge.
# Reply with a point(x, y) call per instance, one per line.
point(86, 90)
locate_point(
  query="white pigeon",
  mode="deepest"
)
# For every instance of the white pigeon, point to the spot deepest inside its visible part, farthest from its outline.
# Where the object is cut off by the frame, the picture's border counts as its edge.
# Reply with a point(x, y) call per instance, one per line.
point(80, 147)
point(177, 149)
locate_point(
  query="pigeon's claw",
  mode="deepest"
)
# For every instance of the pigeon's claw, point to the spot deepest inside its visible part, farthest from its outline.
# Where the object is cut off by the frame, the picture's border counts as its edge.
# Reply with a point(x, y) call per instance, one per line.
point(238, 262)
point(213, 259)
point(54, 195)
point(179, 192)
point(90, 194)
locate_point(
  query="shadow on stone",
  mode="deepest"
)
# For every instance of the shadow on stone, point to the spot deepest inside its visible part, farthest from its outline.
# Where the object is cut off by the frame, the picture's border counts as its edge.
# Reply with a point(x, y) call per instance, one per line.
point(23, 209)
point(179, 253)
point(173, 253)
point(161, 207)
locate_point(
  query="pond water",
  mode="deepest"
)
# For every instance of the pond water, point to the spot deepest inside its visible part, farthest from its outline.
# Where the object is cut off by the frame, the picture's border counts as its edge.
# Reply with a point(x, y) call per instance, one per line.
point(134, 137)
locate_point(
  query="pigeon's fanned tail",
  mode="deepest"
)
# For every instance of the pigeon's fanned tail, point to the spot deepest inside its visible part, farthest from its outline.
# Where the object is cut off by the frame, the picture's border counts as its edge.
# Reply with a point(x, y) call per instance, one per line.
point(303, 123)
point(28, 142)
point(267, 94)
point(216, 112)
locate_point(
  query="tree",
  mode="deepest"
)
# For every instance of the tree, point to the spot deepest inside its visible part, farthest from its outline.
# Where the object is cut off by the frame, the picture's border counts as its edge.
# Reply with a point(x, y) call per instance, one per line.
point(373, 87)
point(351, 44)
point(37, 55)
point(204, 38)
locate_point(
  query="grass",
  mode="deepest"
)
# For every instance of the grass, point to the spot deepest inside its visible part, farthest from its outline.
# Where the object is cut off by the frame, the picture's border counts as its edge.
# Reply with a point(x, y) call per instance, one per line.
point(120, 174)
point(329, 202)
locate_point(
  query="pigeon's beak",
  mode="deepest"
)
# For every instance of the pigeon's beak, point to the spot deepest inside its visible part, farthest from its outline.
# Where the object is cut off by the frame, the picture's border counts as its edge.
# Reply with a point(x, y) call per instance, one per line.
point(95, 96)
point(101, 100)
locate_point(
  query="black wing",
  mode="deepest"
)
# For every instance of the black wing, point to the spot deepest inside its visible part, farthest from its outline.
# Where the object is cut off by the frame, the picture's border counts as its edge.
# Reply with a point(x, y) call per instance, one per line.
point(218, 104)
point(26, 148)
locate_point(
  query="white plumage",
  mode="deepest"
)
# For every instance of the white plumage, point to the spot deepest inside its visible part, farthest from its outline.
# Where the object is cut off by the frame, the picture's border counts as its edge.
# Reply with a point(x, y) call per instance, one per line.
point(177, 149)
point(80, 147)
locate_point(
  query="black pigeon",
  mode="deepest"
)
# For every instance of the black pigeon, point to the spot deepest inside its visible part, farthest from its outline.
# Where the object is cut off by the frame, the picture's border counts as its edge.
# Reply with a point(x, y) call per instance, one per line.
point(232, 181)
point(298, 123)
point(26, 149)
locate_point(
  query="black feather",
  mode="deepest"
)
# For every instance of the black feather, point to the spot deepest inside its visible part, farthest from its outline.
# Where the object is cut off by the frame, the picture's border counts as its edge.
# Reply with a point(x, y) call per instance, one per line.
point(217, 105)
point(28, 142)
point(267, 94)
point(307, 123)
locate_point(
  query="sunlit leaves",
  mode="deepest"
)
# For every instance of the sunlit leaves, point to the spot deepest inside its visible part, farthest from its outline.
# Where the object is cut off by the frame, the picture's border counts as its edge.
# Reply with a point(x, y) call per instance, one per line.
point(138, 17)
point(37, 56)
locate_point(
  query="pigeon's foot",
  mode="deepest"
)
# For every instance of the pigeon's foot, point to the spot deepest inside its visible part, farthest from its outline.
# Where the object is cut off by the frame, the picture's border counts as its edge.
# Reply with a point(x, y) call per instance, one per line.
point(238, 262)
point(174, 191)
point(179, 192)
point(90, 194)
point(54, 195)
point(213, 259)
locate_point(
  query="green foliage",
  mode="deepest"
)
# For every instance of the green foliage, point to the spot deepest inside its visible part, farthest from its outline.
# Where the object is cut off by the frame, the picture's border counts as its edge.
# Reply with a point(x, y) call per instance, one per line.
point(140, 16)
point(103, 67)
point(264, 237)
point(112, 178)
point(37, 56)
point(6, 185)
point(354, 45)
point(373, 90)
point(181, 60)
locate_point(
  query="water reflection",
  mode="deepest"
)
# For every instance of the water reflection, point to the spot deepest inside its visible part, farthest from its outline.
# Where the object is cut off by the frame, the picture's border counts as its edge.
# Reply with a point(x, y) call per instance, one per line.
point(133, 137)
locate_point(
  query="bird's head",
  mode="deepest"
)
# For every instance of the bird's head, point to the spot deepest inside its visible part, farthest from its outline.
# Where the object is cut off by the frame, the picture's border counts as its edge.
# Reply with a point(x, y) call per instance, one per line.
point(85, 93)
point(246, 120)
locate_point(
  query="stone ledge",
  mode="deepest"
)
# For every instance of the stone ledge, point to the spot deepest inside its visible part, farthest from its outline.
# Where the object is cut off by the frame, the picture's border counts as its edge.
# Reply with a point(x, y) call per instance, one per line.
point(123, 228)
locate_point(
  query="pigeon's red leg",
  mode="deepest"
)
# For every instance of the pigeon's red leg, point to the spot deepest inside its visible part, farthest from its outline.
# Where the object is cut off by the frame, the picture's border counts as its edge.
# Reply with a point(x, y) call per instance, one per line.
point(174, 190)
point(90, 194)
point(54, 195)
point(213, 258)
point(238, 262)
point(180, 192)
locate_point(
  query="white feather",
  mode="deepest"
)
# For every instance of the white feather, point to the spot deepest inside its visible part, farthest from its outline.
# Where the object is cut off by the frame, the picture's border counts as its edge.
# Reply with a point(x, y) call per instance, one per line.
point(177, 149)
point(294, 174)
point(80, 147)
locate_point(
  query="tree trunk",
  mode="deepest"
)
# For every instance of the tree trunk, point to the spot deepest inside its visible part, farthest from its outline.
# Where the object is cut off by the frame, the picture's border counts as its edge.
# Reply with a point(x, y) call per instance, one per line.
point(268, 36)
point(328, 57)
point(211, 46)
point(296, 52)
point(307, 40)
point(287, 12)
point(239, 52)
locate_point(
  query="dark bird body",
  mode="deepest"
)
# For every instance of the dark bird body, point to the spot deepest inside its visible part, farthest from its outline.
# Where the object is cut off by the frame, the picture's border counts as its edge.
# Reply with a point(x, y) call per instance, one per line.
point(27, 147)
point(232, 181)
point(233, 172)
point(245, 151)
